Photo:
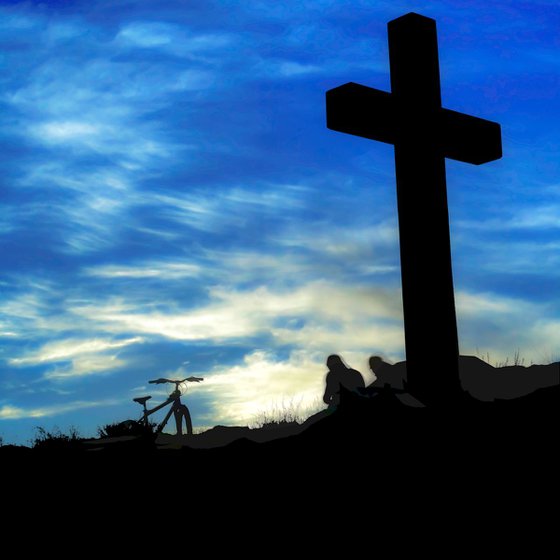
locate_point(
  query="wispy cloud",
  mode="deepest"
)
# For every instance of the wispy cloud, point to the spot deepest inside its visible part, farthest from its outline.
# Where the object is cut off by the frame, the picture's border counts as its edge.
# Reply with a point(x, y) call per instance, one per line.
point(9, 412)
point(161, 270)
point(530, 217)
point(31, 310)
point(231, 314)
point(229, 208)
point(171, 38)
point(263, 382)
point(501, 325)
point(67, 349)
point(76, 358)
point(89, 364)
point(282, 69)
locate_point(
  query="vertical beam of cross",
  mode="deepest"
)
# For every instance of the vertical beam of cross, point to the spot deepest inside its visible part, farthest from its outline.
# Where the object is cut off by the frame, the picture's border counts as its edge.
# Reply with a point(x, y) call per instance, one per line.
point(424, 134)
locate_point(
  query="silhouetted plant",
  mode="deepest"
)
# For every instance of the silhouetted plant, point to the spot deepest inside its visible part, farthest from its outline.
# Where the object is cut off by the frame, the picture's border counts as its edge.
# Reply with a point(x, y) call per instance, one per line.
point(126, 428)
point(285, 414)
point(266, 423)
point(56, 440)
point(517, 360)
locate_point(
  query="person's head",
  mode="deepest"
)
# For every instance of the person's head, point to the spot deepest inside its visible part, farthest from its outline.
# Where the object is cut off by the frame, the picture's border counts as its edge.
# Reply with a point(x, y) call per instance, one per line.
point(375, 362)
point(334, 362)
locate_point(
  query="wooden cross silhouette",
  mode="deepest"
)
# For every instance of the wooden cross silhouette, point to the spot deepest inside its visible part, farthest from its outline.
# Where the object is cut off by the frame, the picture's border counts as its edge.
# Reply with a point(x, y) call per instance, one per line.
point(424, 134)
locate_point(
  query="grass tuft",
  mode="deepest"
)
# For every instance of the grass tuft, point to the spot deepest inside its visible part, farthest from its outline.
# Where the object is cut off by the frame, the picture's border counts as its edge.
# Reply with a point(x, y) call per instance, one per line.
point(286, 413)
point(126, 428)
point(56, 440)
point(517, 359)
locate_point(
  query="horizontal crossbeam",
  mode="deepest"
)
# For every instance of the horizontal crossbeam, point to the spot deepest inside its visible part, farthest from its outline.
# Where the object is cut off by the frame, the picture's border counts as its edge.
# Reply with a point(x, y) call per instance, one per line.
point(375, 114)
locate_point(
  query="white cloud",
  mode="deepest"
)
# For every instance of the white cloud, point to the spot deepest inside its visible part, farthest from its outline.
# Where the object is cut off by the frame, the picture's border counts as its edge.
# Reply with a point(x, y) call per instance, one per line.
point(232, 314)
point(125, 140)
point(88, 218)
point(147, 34)
point(238, 394)
point(29, 311)
point(77, 357)
point(92, 109)
point(362, 336)
point(530, 217)
point(9, 412)
point(291, 68)
point(193, 80)
point(278, 268)
point(66, 349)
point(501, 326)
point(201, 213)
point(67, 130)
point(540, 217)
point(366, 242)
point(324, 317)
point(161, 270)
point(170, 38)
point(487, 304)
point(228, 208)
point(530, 256)
point(112, 181)
point(97, 107)
point(87, 365)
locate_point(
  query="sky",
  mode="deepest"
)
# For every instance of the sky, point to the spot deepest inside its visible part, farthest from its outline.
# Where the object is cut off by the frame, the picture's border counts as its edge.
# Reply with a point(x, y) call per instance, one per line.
point(172, 203)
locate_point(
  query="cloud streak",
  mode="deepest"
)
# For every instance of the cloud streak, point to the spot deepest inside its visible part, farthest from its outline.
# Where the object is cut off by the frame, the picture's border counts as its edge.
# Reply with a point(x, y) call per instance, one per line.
point(8, 412)
point(67, 349)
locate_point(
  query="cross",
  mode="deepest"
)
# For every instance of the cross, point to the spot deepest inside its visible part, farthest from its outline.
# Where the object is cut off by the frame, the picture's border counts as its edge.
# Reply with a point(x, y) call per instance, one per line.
point(424, 134)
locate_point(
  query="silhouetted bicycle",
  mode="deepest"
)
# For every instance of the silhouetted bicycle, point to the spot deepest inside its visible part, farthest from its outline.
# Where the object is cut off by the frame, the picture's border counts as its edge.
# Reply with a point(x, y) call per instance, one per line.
point(178, 409)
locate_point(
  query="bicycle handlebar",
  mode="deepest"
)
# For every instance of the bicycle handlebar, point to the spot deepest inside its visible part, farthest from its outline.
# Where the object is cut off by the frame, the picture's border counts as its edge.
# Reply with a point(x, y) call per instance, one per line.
point(176, 381)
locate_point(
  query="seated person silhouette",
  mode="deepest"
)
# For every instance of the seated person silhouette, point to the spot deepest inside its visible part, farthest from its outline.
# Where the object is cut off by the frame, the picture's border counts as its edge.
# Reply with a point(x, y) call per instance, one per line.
point(390, 377)
point(393, 375)
point(340, 375)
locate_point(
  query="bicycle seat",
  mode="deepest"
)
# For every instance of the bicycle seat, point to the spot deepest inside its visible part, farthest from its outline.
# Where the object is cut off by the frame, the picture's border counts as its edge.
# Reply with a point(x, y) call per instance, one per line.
point(142, 400)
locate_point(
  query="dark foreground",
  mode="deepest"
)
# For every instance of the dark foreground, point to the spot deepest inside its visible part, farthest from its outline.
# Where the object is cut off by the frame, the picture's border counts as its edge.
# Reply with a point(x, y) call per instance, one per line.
point(370, 439)
point(481, 458)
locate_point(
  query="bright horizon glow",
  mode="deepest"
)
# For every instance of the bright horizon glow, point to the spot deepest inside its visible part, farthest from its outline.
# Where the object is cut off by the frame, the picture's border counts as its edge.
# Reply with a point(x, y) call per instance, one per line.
point(173, 202)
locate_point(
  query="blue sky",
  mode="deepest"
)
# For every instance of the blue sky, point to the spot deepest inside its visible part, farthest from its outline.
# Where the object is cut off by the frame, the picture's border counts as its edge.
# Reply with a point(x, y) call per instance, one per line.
point(172, 202)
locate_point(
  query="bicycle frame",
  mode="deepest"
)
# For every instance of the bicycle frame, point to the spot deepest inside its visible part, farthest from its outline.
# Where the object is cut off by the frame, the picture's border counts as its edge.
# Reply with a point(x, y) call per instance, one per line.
point(178, 409)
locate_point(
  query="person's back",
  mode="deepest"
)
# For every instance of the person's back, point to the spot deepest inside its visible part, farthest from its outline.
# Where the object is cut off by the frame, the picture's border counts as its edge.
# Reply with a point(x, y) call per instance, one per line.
point(339, 375)
point(393, 375)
